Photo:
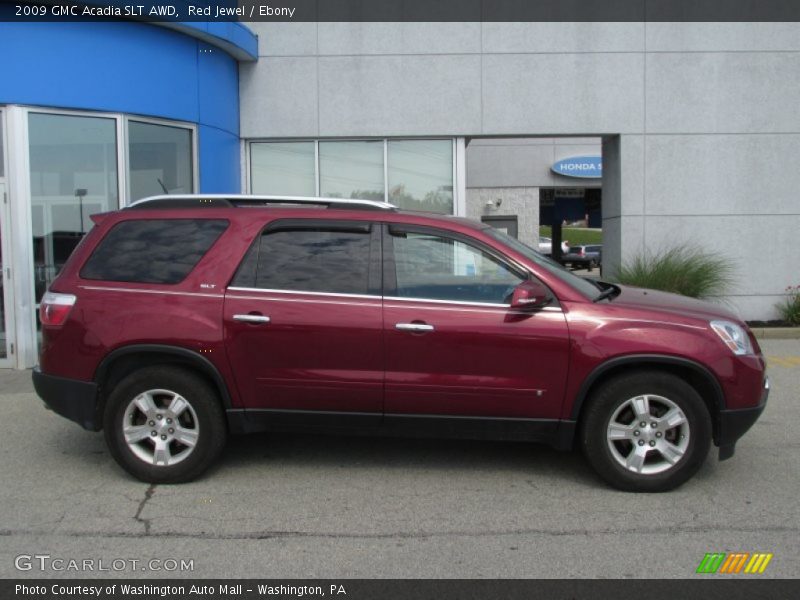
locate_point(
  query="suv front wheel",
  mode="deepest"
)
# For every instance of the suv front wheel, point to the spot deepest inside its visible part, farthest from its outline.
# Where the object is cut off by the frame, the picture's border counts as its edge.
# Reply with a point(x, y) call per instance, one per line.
point(164, 425)
point(647, 431)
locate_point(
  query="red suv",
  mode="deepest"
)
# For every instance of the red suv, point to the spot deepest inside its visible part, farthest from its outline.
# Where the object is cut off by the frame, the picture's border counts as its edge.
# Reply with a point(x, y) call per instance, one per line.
point(179, 320)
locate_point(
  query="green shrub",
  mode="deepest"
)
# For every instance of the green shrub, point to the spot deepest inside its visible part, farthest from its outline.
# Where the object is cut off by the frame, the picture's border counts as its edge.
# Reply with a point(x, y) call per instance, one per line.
point(687, 270)
point(790, 307)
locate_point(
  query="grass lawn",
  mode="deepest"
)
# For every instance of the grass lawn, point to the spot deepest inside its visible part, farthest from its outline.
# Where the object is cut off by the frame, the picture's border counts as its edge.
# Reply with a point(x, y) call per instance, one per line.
point(576, 236)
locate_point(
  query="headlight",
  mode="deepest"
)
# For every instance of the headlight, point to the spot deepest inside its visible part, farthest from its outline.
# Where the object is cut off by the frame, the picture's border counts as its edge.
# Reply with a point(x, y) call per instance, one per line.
point(734, 336)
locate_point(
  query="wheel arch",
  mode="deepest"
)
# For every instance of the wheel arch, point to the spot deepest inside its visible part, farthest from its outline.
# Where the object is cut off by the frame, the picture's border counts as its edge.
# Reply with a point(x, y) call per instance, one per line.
point(697, 375)
point(124, 361)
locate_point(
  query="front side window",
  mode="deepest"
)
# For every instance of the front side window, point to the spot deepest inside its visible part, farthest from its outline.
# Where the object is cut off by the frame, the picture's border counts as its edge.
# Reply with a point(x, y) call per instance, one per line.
point(152, 251)
point(584, 286)
point(319, 260)
point(430, 266)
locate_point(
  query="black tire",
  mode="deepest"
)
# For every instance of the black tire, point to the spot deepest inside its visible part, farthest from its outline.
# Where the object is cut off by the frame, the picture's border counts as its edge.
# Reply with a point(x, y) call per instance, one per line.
point(615, 399)
point(203, 419)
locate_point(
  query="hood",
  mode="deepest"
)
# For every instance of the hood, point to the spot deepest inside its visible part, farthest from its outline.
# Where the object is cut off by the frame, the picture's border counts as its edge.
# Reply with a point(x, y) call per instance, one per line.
point(642, 298)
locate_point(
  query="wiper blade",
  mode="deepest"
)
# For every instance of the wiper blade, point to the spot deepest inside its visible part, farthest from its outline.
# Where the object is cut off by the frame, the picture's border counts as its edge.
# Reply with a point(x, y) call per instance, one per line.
point(610, 291)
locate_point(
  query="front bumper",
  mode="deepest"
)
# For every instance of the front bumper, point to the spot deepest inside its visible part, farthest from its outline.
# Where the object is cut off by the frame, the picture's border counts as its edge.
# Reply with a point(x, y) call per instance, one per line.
point(733, 424)
point(70, 398)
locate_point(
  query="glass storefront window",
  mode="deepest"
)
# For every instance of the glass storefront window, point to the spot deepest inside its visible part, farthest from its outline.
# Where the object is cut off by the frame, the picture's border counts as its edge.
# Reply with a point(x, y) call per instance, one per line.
point(2, 142)
point(73, 171)
point(160, 160)
point(283, 169)
point(421, 174)
point(351, 170)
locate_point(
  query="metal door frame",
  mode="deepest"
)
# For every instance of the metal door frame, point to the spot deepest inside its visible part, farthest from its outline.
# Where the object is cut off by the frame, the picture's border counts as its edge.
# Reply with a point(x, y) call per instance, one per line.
point(9, 321)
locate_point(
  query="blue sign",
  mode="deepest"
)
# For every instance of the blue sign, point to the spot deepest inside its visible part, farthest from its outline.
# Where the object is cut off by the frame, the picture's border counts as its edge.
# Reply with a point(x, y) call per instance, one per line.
point(586, 167)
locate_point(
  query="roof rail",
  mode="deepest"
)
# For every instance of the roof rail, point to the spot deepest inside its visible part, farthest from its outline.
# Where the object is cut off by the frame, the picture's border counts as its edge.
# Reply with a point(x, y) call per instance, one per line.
point(236, 200)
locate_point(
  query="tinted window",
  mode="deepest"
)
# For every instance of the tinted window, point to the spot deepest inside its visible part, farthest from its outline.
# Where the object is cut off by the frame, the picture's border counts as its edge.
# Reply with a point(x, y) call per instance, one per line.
point(584, 286)
point(441, 268)
point(318, 260)
point(152, 251)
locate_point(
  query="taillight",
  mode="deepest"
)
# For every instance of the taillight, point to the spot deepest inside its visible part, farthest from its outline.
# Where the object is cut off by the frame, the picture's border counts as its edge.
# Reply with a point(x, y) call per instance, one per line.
point(54, 308)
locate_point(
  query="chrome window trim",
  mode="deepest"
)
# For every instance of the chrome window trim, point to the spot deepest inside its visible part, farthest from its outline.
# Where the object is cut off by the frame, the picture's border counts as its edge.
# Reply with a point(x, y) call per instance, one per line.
point(300, 292)
point(476, 304)
point(144, 291)
point(455, 303)
point(342, 302)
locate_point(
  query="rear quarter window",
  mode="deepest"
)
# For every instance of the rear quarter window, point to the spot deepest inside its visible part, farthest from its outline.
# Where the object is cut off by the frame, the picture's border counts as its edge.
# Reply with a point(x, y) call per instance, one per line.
point(152, 250)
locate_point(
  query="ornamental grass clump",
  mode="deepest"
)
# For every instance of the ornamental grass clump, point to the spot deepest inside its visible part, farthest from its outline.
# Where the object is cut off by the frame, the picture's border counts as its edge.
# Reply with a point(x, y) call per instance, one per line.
point(687, 270)
point(790, 307)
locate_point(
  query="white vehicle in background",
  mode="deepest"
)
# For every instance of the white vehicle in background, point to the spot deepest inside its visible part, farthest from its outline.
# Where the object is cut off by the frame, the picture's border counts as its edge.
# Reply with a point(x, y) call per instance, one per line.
point(546, 246)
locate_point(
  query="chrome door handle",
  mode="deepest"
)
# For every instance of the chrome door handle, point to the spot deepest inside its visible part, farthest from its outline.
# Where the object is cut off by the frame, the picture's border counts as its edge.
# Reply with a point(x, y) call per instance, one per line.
point(413, 327)
point(251, 318)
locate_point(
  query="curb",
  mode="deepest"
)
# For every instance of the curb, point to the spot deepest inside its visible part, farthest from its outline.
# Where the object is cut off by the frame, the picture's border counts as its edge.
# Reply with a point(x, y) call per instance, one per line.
point(776, 333)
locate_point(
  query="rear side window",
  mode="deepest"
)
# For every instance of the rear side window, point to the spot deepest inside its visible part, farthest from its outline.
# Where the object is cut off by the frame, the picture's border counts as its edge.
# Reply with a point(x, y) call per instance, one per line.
point(153, 250)
point(323, 260)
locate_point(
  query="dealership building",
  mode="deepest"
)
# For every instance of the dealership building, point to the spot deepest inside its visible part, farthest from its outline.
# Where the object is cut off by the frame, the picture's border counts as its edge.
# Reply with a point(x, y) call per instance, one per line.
point(691, 129)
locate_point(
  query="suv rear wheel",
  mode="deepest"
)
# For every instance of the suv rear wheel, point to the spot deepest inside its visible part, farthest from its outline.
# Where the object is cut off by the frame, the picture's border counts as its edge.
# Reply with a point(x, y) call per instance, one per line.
point(164, 425)
point(647, 431)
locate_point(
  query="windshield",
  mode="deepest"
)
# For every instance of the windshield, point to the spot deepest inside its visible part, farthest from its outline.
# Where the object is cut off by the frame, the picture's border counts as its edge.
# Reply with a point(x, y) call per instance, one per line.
point(584, 286)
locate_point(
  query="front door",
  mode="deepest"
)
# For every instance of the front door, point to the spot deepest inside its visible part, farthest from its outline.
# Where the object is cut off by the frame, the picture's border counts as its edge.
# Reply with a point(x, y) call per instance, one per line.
point(453, 346)
point(303, 319)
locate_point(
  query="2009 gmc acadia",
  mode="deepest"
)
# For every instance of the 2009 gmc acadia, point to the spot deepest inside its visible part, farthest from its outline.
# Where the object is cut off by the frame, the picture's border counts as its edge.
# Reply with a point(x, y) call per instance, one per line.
point(180, 320)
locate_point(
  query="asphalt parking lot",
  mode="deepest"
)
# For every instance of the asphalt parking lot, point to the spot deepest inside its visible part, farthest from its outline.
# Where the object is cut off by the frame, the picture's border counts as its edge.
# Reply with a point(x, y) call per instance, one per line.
point(336, 507)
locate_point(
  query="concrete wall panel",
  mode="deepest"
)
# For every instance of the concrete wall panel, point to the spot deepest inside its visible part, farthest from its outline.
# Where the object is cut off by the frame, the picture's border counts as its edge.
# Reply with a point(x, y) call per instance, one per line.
point(279, 98)
point(399, 95)
point(364, 39)
point(762, 268)
point(509, 166)
point(722, 37)
point(736, 92)
point(623, 238)
point(723, 174)
point(623, 175)
point(563, 93)
point(547, 38)
point(285, 39)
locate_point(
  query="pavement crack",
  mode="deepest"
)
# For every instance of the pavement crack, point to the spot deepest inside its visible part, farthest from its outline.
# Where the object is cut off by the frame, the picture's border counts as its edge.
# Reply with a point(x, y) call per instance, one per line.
point(148, 494)
point(409, 535)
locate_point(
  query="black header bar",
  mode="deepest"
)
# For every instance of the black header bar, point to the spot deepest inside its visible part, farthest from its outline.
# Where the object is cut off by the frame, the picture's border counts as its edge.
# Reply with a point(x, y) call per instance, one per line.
point(405, 10)
point(705, 587)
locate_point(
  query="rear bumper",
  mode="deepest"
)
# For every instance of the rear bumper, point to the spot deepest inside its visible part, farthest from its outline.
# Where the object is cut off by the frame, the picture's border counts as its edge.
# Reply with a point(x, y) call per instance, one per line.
point(733, 424)
point(70, 398)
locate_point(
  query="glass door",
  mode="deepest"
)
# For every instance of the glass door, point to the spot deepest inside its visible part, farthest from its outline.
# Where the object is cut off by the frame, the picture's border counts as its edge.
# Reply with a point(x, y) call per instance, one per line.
point(6, 298)
point(73, 175)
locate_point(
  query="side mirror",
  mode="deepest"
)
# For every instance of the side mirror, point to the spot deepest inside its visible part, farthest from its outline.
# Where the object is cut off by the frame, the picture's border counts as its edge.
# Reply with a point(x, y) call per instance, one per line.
point(530, 295)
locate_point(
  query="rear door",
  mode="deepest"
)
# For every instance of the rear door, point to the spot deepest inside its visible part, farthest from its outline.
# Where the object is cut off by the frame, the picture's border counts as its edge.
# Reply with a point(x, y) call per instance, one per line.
point(303, 319)
point(453, 345)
